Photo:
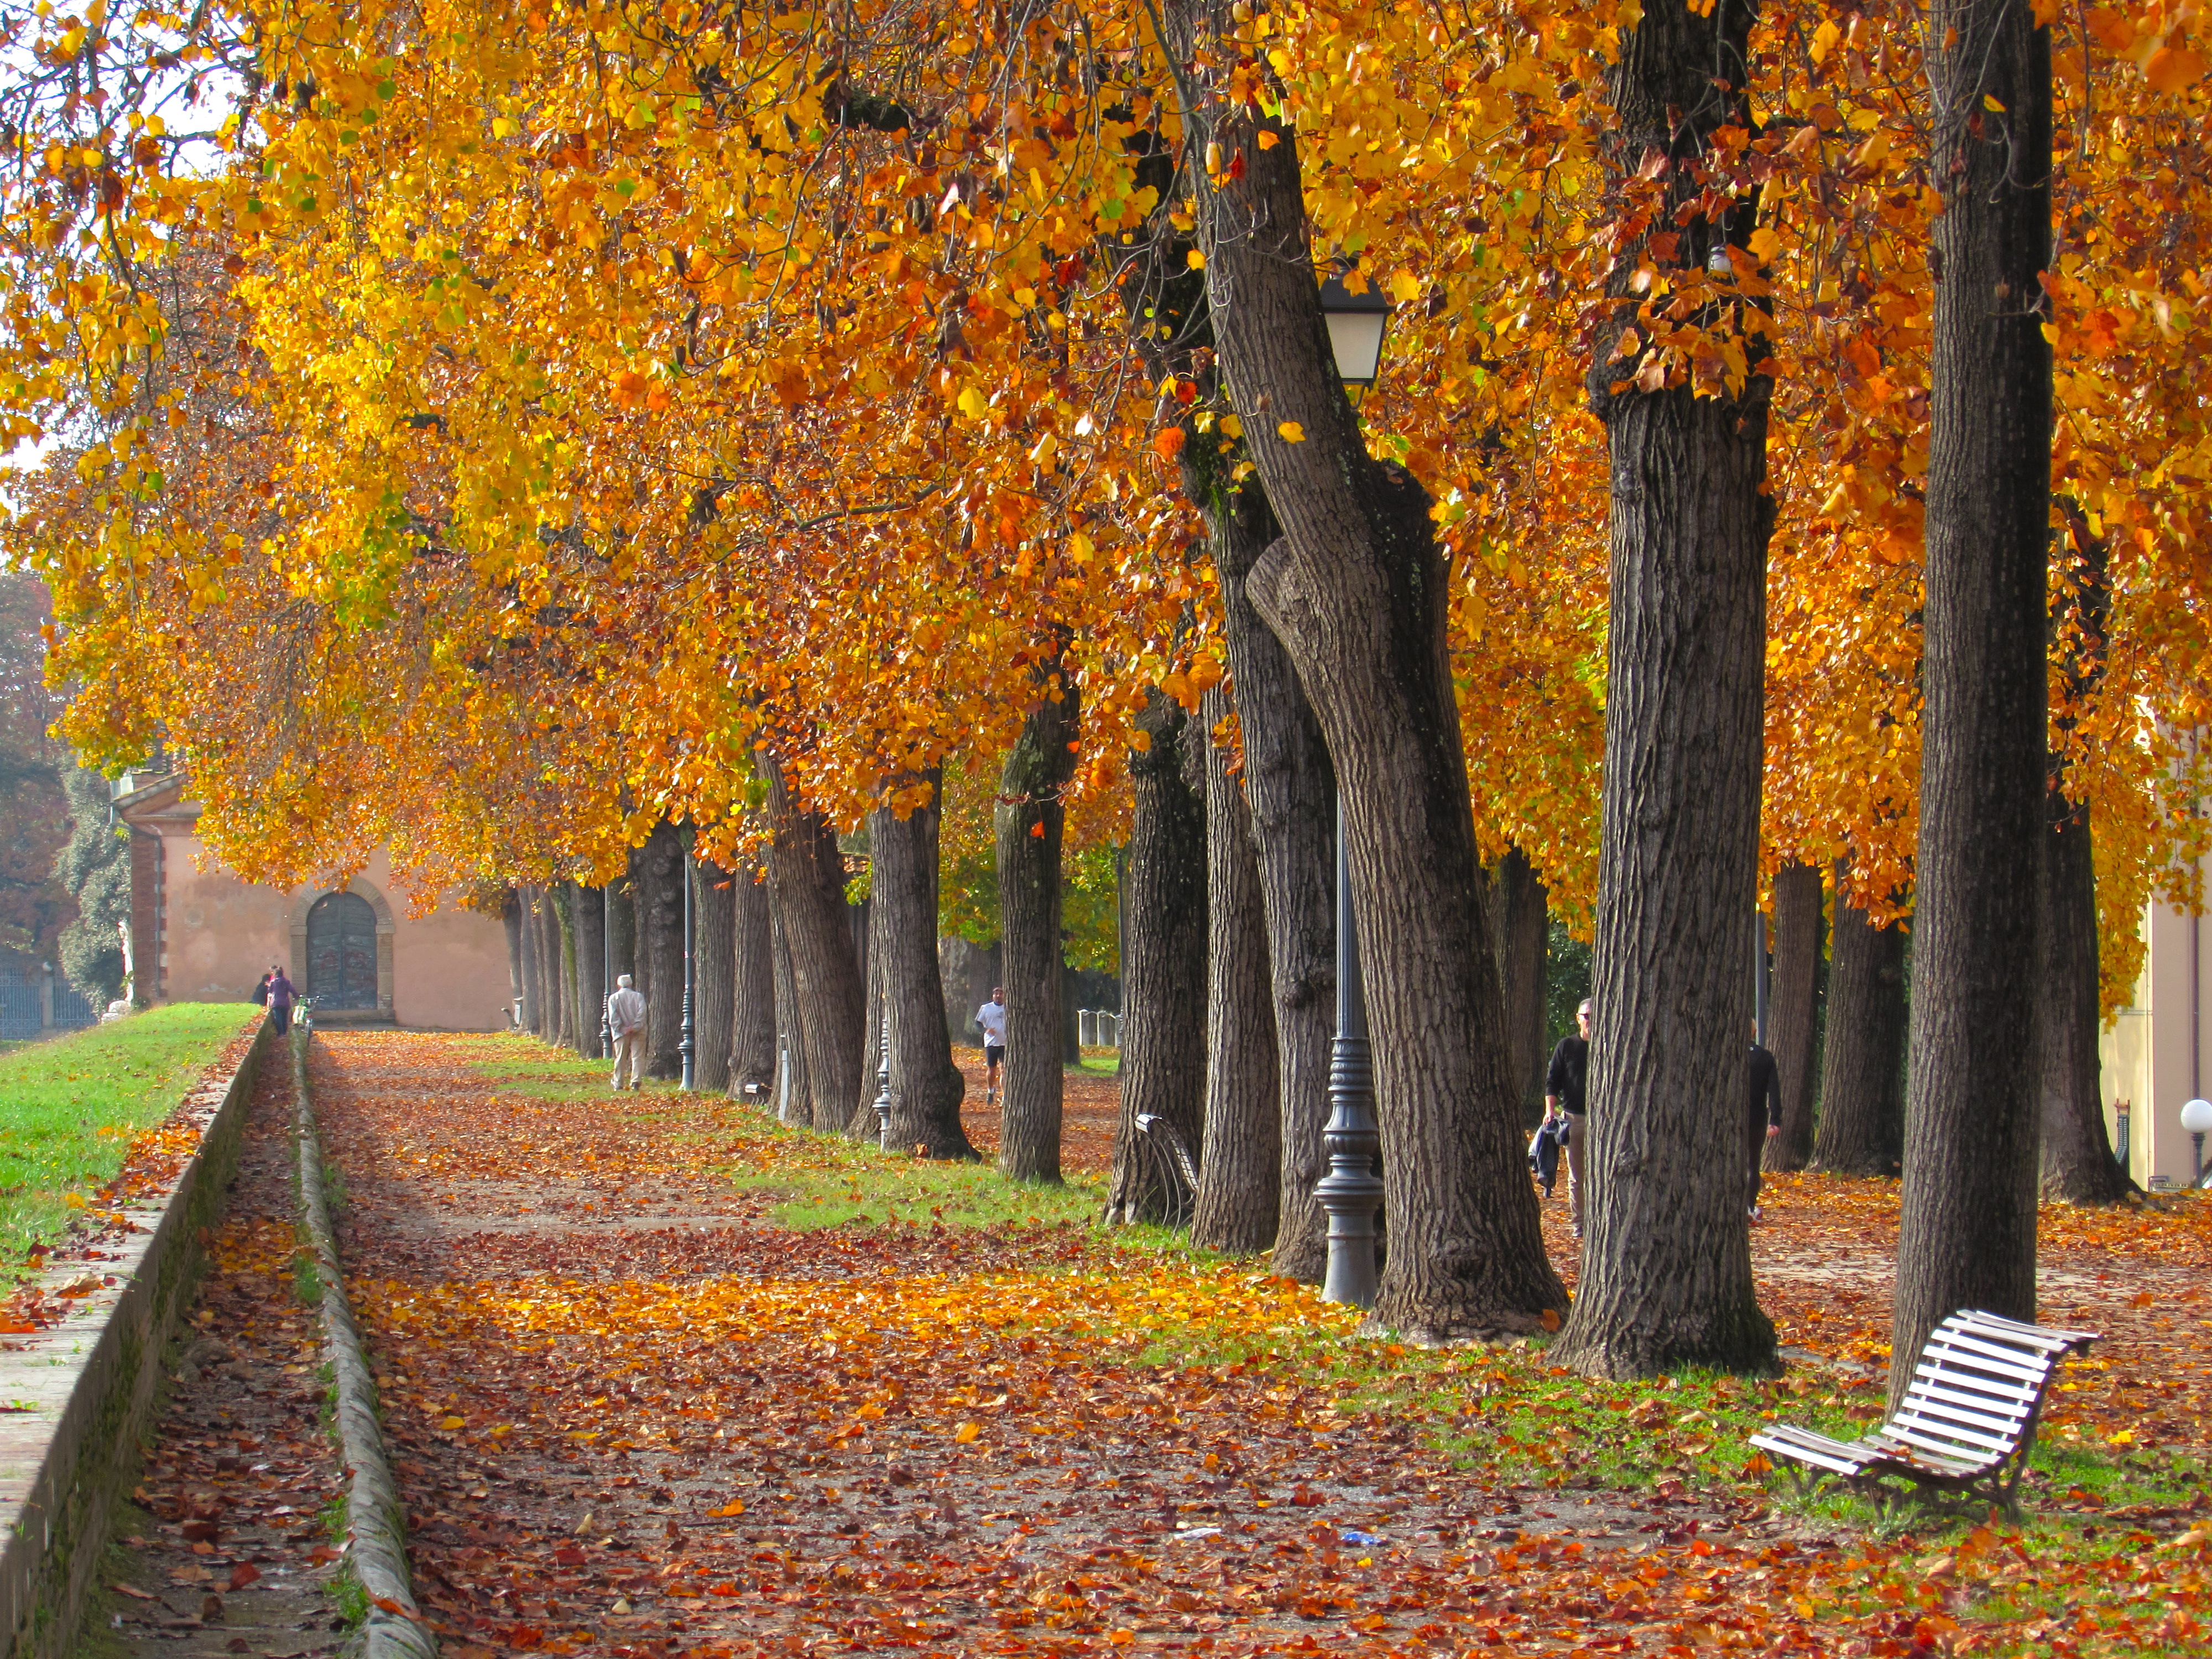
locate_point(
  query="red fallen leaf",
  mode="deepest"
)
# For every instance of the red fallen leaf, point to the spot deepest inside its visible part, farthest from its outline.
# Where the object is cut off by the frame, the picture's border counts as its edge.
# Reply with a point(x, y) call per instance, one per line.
point(12, 1326)
point(202, 1532)
point(133, 1592)
point(568, 1556)
point(724, 1590)
point(243, 1574)
point(322, 1553)
point(390, 1606)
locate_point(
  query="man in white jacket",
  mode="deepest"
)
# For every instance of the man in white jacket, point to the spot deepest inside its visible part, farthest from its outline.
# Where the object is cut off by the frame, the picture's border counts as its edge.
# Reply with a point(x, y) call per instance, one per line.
point(626, 1020)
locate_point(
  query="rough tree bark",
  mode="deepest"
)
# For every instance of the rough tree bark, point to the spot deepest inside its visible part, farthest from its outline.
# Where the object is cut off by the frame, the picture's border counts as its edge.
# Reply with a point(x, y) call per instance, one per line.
point(622, 925)
point(1966, 1229)
point(1667, 1266)
point(752, 1037)
point(809, 873)
point(1027, 825)
point(927, 1087)
point(657, 870)
point(1794, 1011)
point(510, 917)
point(1290, 795)
point(1521, 919)
point(592, 987)
point(2077, 1163)
point(1240, 1165)
point(526, 905)
point(713, 959)
point(549, 1021)
point(795, 1100)
point(1862, 1062)
point(1355, 589)
point(1162, 959)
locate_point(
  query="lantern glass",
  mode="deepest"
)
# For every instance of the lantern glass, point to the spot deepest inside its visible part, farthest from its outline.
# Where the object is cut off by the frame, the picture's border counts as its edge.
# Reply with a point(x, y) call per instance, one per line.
point(1356, 325)
point(2196, 1118)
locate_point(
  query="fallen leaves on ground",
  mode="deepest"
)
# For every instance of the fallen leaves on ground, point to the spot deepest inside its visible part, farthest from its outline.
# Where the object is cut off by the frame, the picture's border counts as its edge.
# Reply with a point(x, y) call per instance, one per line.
point(631, 1415)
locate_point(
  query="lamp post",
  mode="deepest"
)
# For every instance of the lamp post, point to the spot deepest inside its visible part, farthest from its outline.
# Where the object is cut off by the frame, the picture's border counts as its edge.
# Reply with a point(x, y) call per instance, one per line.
point(687, 1048)
point(884, 1088)
point(1351, 1193)
point(2197, 1118)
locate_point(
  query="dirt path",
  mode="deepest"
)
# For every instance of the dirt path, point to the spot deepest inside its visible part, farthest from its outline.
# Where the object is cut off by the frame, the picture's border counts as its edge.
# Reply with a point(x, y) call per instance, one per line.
point(630, 1416)
point(225, 1549)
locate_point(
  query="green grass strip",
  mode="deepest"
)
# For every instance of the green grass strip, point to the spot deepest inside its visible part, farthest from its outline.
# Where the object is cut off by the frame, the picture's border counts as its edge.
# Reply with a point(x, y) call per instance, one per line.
point(69, 1108)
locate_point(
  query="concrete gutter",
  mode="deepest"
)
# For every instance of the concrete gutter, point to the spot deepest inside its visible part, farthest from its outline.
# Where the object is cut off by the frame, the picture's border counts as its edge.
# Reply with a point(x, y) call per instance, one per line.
point(376, 1521)
point(76, 1399)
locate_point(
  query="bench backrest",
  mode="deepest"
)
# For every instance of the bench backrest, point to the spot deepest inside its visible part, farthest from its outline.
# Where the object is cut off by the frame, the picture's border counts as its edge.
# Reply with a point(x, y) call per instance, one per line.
point(1977, 1387)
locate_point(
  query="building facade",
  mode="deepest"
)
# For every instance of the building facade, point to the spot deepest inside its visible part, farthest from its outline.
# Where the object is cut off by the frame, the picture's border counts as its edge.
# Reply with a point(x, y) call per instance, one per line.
point(2155, 1057)
point(198, 933)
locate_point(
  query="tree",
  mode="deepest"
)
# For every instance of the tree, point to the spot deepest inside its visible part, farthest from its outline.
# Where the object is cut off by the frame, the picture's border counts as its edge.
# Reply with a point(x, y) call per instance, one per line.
point(658, 871)
point(927, 1087)
point(1966, 1232)
point(1862, 1062)
point(1666, 1270)
point(827, 1001)
point(1354, 590)
point(94, 867)
point(1520, 916)
point(1163, 962)
point(590, 909)
point(1794, 1011)
point(752, 1041)
point(1239, 1160)
point(714, 964)
point(1029, 824)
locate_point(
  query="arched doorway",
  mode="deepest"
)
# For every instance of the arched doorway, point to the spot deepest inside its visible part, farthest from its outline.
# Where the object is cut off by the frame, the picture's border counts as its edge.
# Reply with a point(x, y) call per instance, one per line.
point(342, 951)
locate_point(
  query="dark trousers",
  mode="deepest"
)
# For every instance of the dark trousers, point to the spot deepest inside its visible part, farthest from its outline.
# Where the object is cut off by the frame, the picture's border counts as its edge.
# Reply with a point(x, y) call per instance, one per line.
point(1755, 1149)
point(281, 1017)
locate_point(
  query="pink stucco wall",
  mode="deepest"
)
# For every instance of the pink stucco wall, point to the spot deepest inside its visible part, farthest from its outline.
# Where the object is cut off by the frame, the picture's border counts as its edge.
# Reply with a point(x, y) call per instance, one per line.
point(448, 969)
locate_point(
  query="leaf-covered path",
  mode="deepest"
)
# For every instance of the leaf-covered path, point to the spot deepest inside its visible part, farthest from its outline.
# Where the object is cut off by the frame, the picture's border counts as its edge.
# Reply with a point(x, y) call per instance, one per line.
point(632, 1413)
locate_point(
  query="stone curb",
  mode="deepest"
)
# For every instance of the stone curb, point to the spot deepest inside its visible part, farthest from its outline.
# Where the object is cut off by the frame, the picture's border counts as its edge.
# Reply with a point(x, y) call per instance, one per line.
point(79, 1397)
point(376, 1519)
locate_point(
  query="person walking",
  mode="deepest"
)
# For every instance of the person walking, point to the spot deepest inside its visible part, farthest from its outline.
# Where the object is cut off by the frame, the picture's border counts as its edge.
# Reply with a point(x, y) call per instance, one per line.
point(992, 1016)
point(626, 1023)
point(1764, 1122)
point(1566, 1095)
point(280, 1000)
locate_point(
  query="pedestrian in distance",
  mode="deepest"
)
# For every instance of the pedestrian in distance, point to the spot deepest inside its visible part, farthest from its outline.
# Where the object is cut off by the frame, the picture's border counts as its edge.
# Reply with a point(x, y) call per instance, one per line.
point(261, 991)
point(280, 1000)
point(626, 1022)
point(1764, 1122)
point(992, 1016)
point(1567, 1096)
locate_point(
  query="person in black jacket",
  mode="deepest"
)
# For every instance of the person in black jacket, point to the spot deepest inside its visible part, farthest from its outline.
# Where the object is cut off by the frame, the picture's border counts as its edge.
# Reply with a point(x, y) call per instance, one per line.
point(1566, 1094)
point(1765, 1121)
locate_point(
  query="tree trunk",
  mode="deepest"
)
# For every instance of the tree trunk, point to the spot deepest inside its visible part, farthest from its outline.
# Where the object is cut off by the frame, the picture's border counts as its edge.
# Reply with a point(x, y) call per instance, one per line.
point(657, 869)
point(862, 1123)
point(510, 917)
point(1356, 590)
point(622, 925)
point(563, 895)
point(1163, 964)
point(1027, 825)
point(752, 1037)
point(1966, 1230)
point(549, 964)
point(1794, 1018)
point(533, 1009)
point(795, 1100)
point(809, 873)
point(1240, 1167)
point(2077, 1161)
point(1290, 795)
point(927, 1087)
point(714, 958)
point(1862, 1062)
point(1667, 1268)
point(1522, 922)
point(592, 987)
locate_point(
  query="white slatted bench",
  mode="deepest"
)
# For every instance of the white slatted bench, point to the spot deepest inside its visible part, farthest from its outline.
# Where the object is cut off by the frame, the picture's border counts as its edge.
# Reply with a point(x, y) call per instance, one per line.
point(1968, 1420)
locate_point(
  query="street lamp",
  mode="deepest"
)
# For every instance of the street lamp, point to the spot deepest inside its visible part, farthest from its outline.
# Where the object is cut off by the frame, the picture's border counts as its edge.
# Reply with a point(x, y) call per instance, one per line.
point(1356, 325)
point(2197, 1118)
point(1351, 1192)
point(884, 1088)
